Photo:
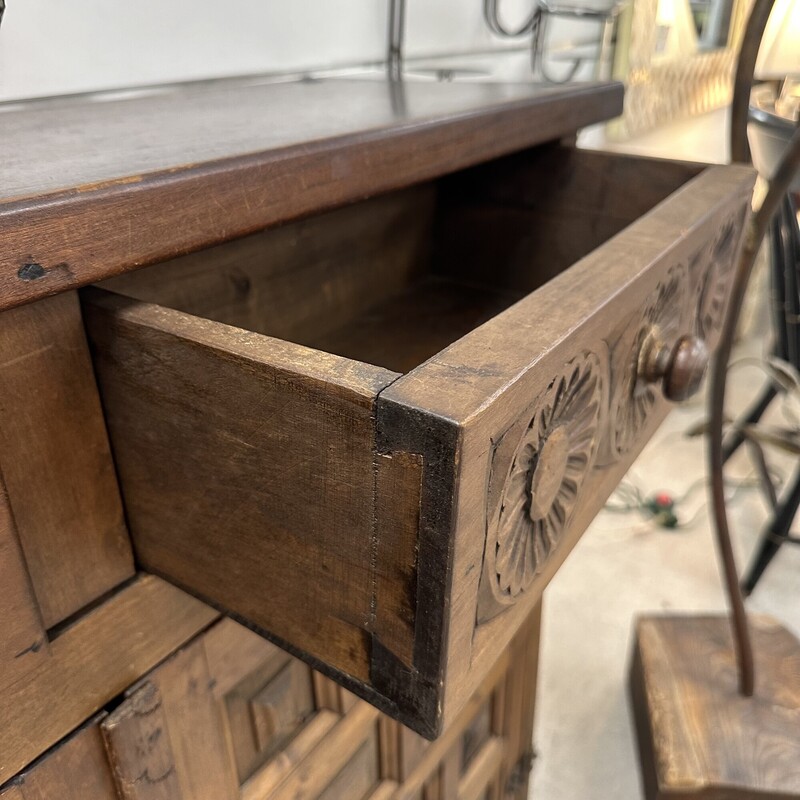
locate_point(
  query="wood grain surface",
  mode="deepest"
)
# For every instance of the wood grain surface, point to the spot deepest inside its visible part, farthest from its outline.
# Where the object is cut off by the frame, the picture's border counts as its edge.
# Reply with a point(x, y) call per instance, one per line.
point(139, 748)
point(76, 770)
point(56, 461)
point(23, 640)
point(92, 189)
point(548, 206)
point(90, 662)
point(302, 280)
point(294, 430)
point(698, 737)
point(166, 737)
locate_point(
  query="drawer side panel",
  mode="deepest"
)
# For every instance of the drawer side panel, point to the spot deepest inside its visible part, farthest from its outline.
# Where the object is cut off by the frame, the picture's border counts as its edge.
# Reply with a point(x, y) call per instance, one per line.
point(247, 470)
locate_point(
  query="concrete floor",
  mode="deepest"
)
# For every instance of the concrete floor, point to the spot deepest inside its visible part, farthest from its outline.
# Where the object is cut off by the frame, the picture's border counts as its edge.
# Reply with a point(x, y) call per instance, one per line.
point(624, 566)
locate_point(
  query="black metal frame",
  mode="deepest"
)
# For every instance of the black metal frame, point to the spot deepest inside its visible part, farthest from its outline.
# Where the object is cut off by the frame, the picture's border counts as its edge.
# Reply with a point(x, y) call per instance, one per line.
point(785, 266)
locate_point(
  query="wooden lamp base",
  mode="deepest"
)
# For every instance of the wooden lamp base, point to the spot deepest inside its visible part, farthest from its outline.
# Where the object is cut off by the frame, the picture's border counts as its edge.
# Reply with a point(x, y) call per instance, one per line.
point(698, 737)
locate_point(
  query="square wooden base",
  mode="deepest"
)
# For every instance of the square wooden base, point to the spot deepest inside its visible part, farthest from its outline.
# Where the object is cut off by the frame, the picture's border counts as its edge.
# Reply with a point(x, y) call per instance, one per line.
point(698, 737)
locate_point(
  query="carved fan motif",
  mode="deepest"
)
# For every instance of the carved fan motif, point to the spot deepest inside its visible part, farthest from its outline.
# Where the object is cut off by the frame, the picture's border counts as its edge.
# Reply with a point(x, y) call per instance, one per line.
point(551, 460)
point(635, 397)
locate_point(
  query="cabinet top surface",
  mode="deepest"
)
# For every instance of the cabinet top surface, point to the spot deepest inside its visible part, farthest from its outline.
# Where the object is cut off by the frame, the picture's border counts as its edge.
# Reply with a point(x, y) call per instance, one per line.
point(53, 145)
point(240, 155)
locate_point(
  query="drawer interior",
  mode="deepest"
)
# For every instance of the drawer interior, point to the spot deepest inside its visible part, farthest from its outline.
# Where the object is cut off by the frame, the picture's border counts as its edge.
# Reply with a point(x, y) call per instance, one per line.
point(392, 280)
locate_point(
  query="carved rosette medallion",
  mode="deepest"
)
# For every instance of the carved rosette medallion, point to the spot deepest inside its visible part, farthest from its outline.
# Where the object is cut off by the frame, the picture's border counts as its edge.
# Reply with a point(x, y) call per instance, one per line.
point(714, 266)
point(635, 396)
point(537, 470)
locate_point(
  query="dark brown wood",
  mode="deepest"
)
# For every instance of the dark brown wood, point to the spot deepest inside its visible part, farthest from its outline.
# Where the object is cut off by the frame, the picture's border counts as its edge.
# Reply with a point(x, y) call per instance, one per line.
point(310, 431)
point(544, 208)
point(148, 178)
point(417, 323)
point(398, 481)
point(302, 280)
point(468, 410)
point(23, 641)
point(55, 459)
point(698, 737)
point(271, 478)
point(385, 492)
point(91, 662)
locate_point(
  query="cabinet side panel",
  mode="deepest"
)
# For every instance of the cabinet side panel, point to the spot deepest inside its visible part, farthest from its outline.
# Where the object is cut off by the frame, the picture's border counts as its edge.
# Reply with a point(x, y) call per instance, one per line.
point(76, 769)
point(56, 460)
point(23, 641)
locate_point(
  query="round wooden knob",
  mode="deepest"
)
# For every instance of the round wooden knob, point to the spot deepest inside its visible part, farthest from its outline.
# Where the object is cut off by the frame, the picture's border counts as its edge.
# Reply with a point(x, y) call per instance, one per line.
point(680, 369)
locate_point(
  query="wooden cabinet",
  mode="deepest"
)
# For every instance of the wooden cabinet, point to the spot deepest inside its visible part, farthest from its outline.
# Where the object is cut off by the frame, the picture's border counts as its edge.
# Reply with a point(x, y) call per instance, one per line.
point(232, 717)
point(374, 435)
point(362, 362)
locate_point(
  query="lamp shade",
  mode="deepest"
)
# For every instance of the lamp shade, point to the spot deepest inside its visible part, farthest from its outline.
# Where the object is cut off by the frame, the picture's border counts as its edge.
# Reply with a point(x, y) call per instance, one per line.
point(779, 54)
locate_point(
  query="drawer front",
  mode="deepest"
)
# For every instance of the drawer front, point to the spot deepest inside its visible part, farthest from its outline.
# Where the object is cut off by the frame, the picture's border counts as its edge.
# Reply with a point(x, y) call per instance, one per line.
point(526, 425)
point(395, 530)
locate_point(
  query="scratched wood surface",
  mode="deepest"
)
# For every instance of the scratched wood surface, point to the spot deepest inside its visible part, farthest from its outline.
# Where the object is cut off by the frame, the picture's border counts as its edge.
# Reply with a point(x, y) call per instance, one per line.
point(221, 160)
point(56, 461)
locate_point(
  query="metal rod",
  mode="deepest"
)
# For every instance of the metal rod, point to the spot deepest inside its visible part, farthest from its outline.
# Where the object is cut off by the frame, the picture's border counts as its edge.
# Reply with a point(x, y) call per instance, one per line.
point(492, 17)
point(767, 486)
point(736, 438)
point(396, 39)
point(757, 229)
point(743, 81)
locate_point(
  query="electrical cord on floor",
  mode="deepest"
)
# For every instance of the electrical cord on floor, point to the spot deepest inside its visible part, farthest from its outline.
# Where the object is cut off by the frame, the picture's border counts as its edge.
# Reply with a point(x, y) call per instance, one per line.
point(666, 510)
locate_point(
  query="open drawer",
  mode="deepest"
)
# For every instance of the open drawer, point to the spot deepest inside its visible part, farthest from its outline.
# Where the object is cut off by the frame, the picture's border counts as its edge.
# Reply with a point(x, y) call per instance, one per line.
point(375, 434)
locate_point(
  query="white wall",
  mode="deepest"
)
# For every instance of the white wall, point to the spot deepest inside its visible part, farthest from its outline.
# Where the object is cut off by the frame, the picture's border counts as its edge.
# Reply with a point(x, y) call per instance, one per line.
point(63, 46)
